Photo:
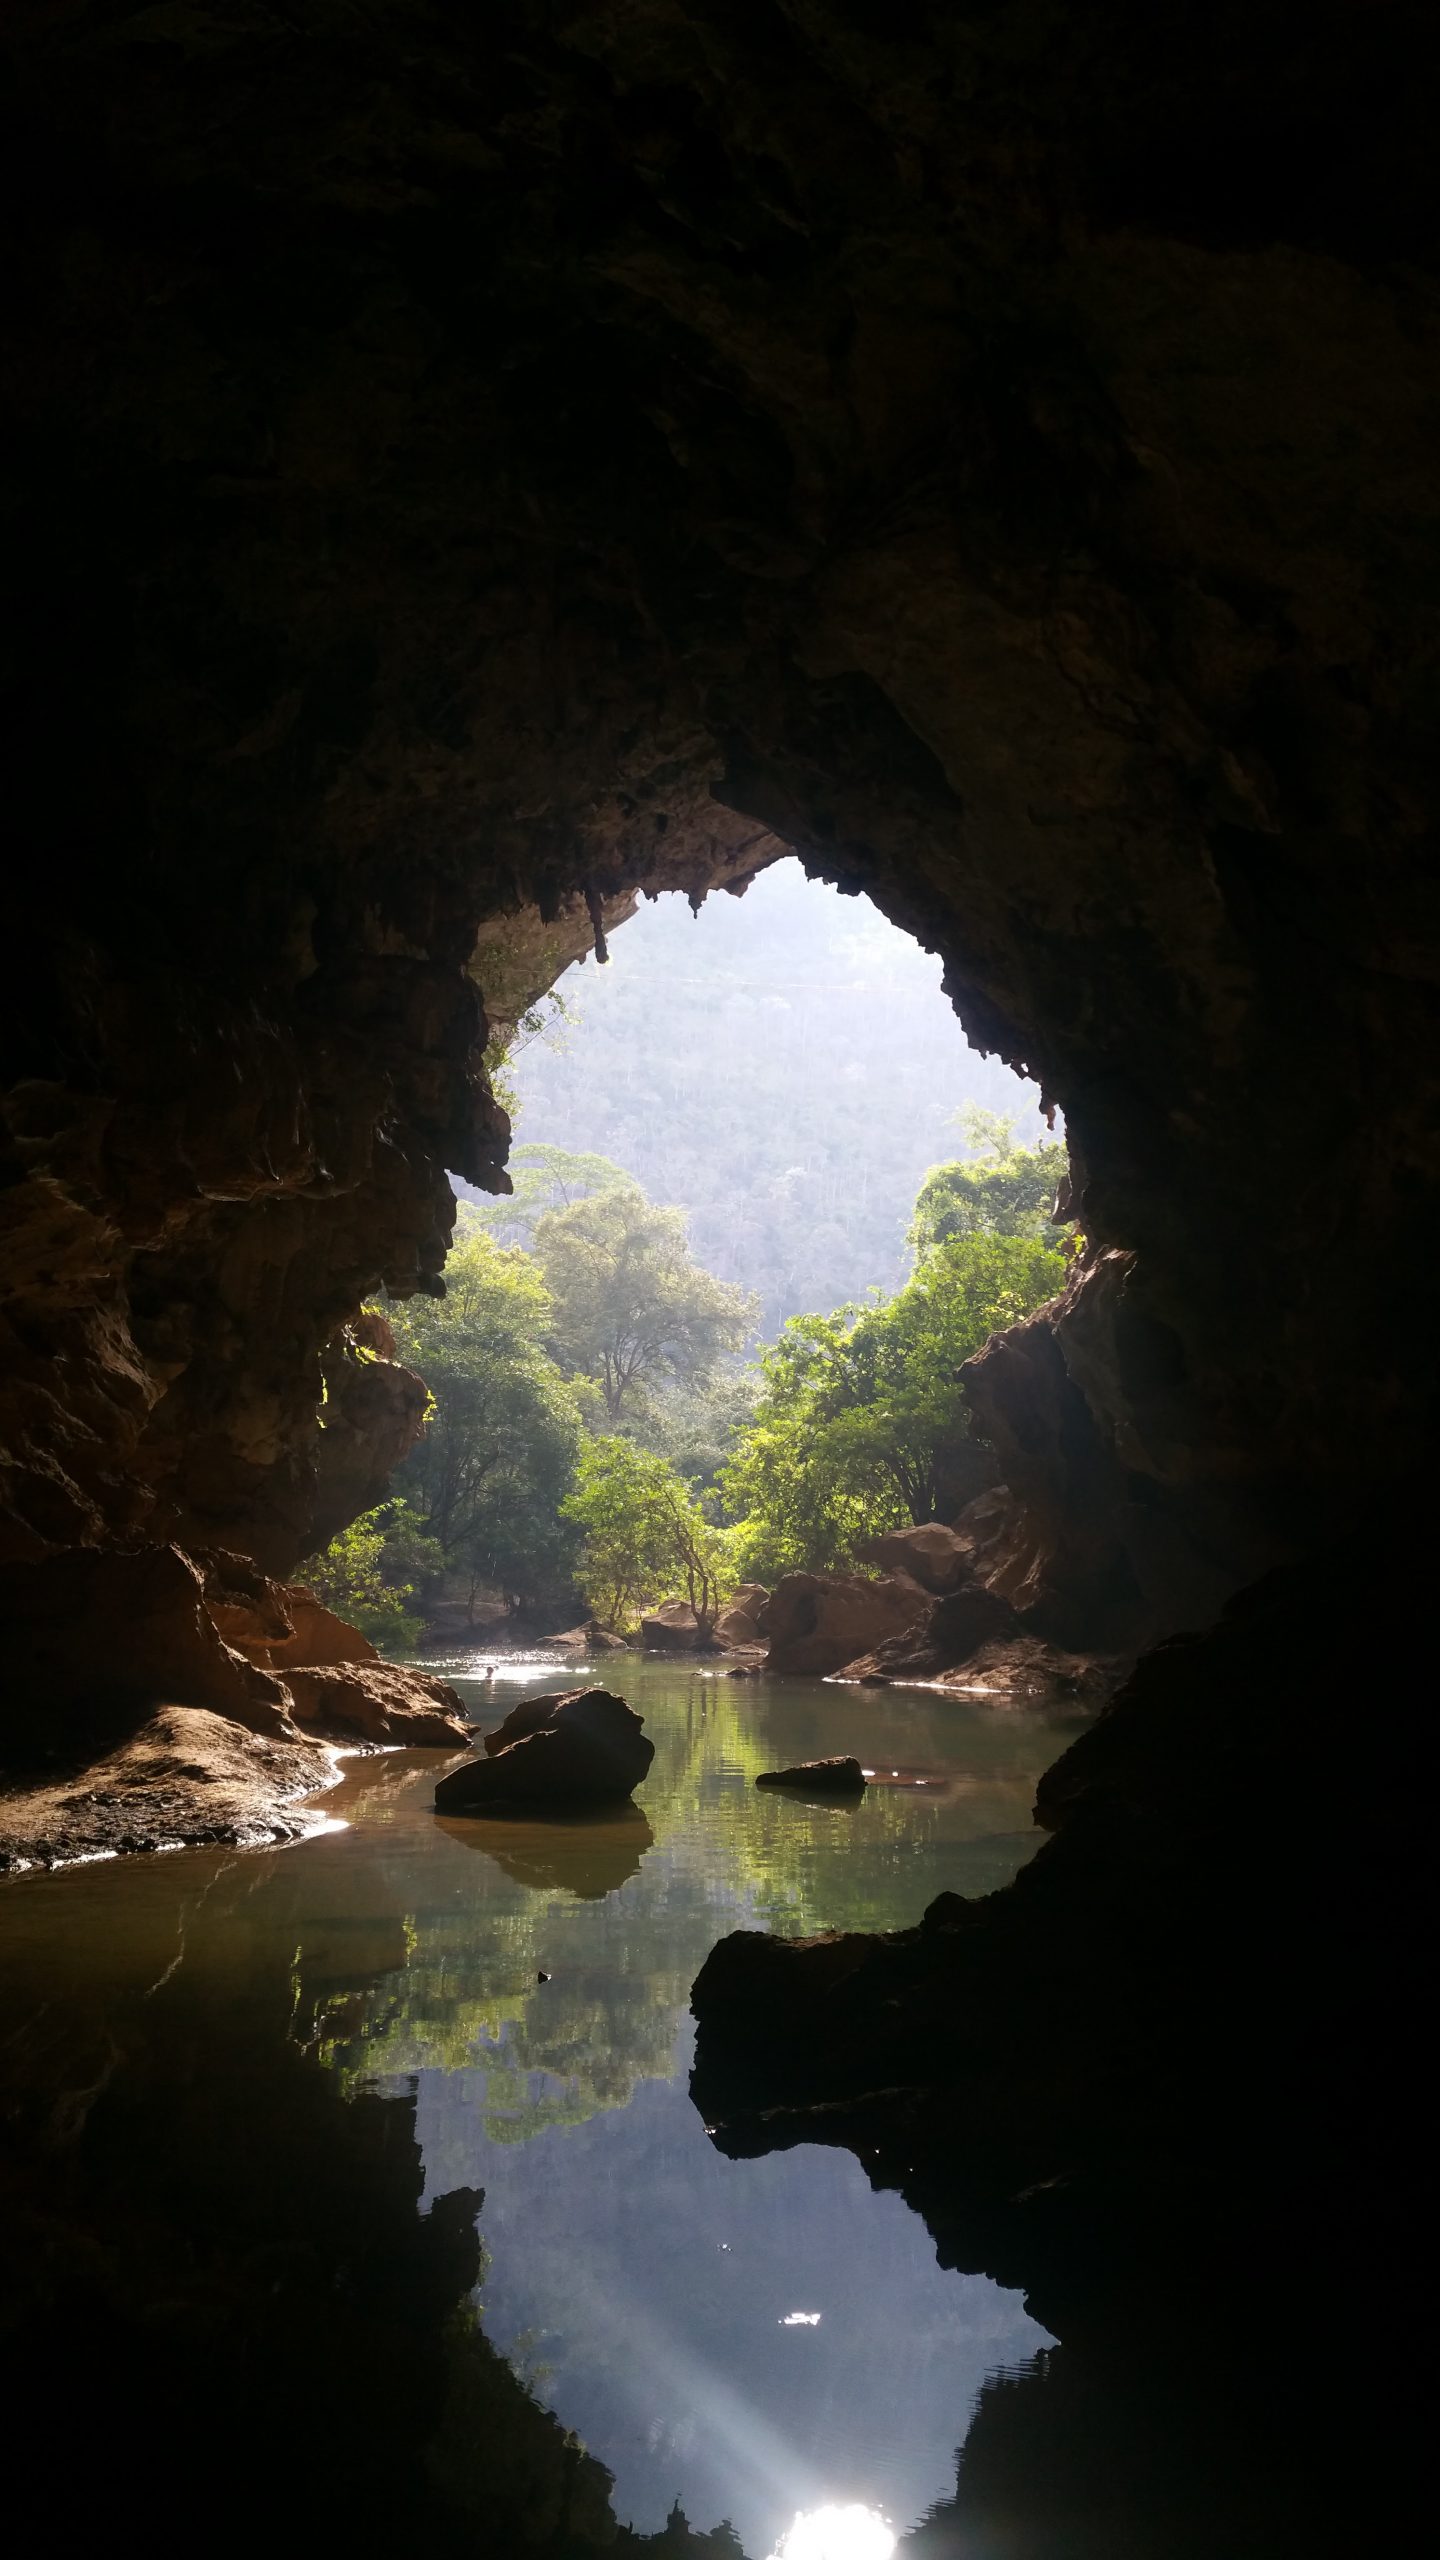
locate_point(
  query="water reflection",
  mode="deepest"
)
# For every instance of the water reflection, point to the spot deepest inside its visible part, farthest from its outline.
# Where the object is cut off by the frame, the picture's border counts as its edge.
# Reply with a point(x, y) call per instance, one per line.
point(587, 1854)
point(503, 2006)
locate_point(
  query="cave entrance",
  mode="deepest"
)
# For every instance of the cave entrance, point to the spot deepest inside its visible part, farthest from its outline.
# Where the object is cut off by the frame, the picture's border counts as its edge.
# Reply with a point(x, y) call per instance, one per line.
point(732, 1121)
point(764, 1186)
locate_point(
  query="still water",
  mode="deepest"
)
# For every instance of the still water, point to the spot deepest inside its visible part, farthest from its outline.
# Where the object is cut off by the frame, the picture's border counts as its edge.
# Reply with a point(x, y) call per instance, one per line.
point(762, 2339)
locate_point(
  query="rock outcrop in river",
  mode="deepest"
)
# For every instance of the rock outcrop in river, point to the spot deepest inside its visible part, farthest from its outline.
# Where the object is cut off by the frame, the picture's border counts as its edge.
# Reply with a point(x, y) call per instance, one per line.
point(576, 1746)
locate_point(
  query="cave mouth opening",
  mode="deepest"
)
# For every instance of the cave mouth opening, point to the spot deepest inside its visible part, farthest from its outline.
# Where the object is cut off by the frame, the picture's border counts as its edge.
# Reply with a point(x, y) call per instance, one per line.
point(753, 1155)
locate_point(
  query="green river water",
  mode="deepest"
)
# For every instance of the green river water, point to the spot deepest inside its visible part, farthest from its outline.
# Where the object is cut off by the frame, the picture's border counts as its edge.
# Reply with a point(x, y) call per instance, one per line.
point(762, 2339)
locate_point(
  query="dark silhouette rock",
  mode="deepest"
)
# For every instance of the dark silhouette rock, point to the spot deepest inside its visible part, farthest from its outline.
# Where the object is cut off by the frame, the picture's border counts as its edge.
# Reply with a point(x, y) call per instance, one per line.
point(579, 1746)
point(835, 1777)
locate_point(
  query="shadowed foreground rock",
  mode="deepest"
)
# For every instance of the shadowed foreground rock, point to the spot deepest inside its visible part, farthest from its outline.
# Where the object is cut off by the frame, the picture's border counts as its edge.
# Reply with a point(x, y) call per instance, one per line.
point(578, 1746)
point(1136, 2081)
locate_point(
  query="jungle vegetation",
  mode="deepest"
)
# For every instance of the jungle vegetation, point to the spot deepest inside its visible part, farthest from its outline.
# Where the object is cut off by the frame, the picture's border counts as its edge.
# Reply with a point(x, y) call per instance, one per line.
point(629, 1400)
point(784, 1066)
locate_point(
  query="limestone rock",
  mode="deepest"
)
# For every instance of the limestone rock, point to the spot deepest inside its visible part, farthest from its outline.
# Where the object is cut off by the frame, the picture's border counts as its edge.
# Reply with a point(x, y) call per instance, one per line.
point(277, 1625)
point(95, 1635)
point(943, 1634)
point(578, 1746)
point(589, 1638)
point(1093, 646)
point(933, 1555)
point(672, 1628)
point(185, 1776)
point(378, 1702)
point(736, 1626)
point(833, 1777)
point(816, 1622)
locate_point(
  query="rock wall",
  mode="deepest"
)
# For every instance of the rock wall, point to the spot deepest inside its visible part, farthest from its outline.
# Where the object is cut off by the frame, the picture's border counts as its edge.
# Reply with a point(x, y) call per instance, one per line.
point(465, 468)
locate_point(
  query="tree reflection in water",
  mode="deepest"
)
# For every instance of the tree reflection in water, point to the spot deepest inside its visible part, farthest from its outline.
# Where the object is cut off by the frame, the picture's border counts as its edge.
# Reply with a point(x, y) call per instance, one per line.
point(232, 2080)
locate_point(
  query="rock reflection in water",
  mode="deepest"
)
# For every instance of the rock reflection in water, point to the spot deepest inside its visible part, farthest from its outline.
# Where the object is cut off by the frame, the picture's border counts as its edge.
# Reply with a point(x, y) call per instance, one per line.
point(252, 2102)
point(587, 1854)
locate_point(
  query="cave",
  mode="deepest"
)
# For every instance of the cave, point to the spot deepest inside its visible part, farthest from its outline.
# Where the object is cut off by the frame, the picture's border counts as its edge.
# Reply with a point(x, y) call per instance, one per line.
point(466, 470)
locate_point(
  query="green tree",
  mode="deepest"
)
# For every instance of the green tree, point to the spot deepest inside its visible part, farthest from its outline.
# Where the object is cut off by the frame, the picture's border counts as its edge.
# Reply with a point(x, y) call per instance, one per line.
point(633, 1309)
point(644, 1536)
point(487, 1478)
point(1007, 1190)
point(861, 1418)
point(802, 1503)
point(542, 1177)
point(372, 1571)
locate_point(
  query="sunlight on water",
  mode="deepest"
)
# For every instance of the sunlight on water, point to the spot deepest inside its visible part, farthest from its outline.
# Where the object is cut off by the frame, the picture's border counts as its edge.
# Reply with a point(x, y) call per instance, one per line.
point(837, 2533)
point(767, 2338)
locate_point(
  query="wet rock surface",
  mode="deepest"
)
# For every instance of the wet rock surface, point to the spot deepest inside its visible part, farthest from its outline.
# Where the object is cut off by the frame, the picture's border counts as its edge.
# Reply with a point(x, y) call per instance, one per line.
point(382, 1703)
point(1148, 2067)
point(579, 1746)
point(186, 1777)
point(833, 1777)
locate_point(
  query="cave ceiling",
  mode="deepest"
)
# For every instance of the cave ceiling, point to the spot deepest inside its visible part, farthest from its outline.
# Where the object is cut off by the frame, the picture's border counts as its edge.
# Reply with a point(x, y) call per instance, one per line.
point(468, 467)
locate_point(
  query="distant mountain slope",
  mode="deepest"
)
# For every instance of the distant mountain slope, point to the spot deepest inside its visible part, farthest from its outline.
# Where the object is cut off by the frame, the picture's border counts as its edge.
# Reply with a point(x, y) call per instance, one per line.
point(785, 1066)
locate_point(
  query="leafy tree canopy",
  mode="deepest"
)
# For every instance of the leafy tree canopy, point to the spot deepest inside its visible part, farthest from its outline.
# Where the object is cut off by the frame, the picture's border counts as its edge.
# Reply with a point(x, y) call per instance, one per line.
point(644, 1536)
point(371, 1572)
point(486, 1479)
point(1002, 1190)
point(861, 1413)
point(543, 1177)
point(632, 1308)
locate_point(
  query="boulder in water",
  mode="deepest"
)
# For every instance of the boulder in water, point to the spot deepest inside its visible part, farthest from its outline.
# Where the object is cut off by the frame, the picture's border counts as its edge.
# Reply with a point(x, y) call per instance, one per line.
point(574, 1746)
point(673, 1628)
point(834, 1777)
point(817, 1622)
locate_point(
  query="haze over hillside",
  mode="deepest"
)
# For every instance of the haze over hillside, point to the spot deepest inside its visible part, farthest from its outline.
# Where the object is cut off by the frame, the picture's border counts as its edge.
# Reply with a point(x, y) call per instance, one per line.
point(783, 1065)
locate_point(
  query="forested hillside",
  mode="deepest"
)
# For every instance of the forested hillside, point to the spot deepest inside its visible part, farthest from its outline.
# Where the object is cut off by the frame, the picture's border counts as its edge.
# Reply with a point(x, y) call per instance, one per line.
point(784, 1066)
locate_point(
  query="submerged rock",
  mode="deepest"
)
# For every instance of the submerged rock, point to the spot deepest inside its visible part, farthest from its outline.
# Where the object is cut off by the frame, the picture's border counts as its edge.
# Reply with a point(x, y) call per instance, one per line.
point(577, 1746)
point(835, 1777)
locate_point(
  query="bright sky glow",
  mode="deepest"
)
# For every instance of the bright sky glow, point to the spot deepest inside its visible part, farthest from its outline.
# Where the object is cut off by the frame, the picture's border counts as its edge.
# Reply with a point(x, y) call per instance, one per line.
point(837, 2533)
point(801, 2320)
